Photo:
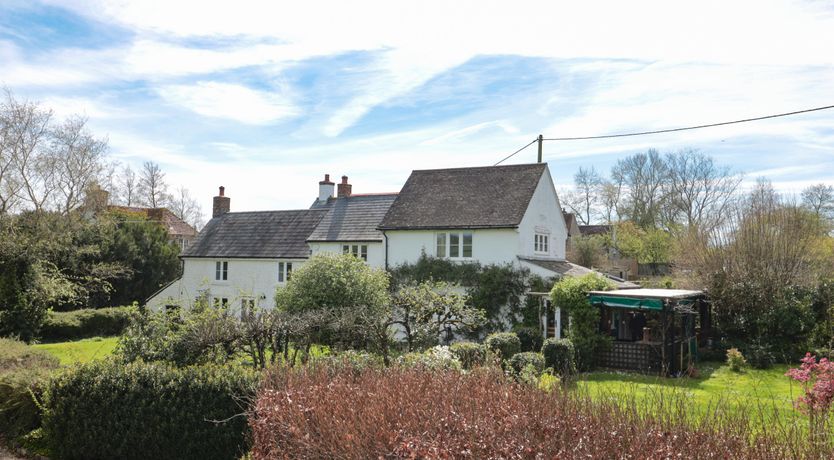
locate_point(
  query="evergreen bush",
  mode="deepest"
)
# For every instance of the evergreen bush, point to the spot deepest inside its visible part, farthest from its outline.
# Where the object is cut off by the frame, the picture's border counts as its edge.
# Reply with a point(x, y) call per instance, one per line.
point(559, 355)
point(530, 337)
point(505, 344)
point(469, 354)
point(524, 360)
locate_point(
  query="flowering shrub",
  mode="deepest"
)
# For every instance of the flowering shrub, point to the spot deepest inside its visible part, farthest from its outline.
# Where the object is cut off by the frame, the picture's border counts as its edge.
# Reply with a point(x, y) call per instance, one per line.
point(817, 379)
point(735, 360)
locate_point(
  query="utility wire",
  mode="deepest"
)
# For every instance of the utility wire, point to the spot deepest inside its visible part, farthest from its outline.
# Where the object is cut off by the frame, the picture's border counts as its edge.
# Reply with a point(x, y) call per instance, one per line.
point(660, 131)
point(517, 151)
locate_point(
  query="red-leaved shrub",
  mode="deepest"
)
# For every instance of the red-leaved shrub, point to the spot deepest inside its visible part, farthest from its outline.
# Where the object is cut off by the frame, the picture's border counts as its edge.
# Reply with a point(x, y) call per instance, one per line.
point(319, 412)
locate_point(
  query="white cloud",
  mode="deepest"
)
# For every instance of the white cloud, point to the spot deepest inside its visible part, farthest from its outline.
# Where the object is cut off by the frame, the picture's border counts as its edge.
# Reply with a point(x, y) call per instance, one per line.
point(230, 101)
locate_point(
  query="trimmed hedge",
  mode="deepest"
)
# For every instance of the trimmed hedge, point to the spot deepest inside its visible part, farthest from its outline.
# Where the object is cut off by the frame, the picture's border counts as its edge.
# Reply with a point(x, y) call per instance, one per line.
point(24, 372)
point(520, 361)
point(506, 344)
point(469, 354)
point(86, 323)
point(142, 410)
point(559, 355)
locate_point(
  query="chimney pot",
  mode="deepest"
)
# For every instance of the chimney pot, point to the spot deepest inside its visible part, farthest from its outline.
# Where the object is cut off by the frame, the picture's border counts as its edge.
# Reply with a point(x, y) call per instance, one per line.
point(344, 179)
point(222, 190)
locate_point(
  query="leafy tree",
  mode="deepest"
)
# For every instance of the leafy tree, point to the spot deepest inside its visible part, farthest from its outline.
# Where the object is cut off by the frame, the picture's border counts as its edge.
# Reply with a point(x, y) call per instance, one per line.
point(571, 294)
point(342, 301)
point(427, 309)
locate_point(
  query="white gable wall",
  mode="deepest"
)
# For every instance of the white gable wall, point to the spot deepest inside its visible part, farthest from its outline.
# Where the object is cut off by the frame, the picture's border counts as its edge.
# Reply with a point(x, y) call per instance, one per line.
point(544, 214)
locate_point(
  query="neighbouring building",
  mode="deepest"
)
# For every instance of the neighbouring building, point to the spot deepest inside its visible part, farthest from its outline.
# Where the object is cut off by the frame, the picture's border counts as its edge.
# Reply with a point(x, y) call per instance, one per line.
point(491, 215)
point(179, 232)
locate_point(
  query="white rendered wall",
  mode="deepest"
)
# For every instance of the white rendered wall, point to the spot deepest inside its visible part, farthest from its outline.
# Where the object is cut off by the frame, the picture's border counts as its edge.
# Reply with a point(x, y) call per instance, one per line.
point(544, 214)
point(376, 251)
point(246, 278)
point(489, 246)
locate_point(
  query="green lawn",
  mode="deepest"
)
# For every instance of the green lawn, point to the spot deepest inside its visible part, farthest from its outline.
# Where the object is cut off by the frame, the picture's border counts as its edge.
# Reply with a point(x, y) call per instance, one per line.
point(81, 351)
point(758, 394)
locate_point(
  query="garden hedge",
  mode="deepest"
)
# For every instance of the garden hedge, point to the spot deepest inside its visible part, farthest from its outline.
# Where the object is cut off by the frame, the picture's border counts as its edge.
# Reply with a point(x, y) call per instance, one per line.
point(86, 323)
point(106, 409)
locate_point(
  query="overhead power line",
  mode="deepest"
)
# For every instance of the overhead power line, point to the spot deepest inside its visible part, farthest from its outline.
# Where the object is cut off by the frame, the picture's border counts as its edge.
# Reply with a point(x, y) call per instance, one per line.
point(661, 131)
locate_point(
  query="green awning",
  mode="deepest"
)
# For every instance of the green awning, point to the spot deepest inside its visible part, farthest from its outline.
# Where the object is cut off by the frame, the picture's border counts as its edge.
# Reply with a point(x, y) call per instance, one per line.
point(626, 302)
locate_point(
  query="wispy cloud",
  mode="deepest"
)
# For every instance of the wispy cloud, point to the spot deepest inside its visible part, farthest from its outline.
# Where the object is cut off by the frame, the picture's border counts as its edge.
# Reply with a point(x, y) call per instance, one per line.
point(230, 101)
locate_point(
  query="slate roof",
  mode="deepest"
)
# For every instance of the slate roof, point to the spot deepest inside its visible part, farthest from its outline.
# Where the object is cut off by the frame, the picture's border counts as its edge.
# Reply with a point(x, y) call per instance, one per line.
point(565, 268)
point(261, 235)
point(353, 218)
point(484, 197)
point(594, 229)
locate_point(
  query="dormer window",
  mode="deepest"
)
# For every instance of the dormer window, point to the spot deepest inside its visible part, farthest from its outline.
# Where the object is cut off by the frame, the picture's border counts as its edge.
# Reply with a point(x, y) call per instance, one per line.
point(541, 243)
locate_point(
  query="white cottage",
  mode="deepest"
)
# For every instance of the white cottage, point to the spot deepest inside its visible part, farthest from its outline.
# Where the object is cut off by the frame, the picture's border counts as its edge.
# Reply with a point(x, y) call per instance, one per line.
point(491, 215)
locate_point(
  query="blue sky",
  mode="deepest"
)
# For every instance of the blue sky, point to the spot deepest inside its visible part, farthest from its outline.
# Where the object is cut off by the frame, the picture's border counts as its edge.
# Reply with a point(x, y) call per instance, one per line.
point(265, 97)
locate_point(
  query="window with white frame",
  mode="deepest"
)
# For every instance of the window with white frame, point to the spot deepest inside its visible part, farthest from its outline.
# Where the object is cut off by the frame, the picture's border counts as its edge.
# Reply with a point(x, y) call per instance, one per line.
point(358, 250)
point(284, 271)
point(221, 270)
point(542, 243)
point(454, 245)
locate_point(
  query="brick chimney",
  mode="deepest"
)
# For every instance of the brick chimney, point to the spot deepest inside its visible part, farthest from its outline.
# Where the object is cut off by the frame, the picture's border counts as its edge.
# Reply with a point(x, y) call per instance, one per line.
point(344, 188)
point(222, 204)
point(325, 189)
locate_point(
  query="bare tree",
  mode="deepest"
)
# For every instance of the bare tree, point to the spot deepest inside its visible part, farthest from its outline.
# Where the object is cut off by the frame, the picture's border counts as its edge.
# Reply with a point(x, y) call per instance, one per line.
point(700, 193)
point(642, 176)
point(610, 198)
point(186, 207)
point(127, 186)
point(153, 190)
point(583, 201)
point(9, 182)
point(819, 199)
point(27, 136)
point(78, 161)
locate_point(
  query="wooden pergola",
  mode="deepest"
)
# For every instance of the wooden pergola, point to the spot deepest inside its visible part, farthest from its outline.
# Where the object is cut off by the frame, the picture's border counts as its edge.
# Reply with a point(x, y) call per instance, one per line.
point(678, 314)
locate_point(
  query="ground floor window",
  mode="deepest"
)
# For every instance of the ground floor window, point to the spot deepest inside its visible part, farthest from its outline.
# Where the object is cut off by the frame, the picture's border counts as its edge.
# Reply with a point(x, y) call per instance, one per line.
point(221, 302)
